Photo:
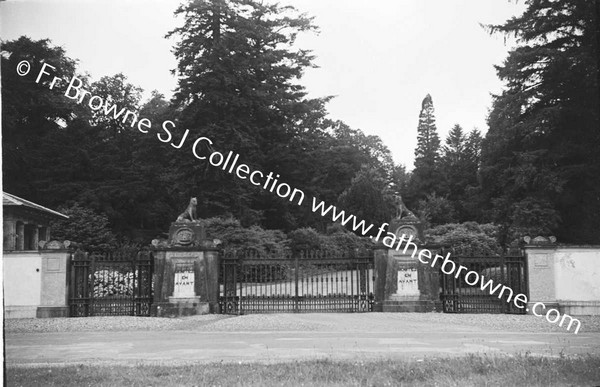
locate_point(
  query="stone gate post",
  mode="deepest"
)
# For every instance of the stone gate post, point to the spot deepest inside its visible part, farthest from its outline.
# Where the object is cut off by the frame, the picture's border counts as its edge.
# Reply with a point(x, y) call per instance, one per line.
point(186, 272)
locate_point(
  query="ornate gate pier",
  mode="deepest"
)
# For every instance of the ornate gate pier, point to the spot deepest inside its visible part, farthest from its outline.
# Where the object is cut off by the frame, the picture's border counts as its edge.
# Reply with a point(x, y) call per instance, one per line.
point(186, 272)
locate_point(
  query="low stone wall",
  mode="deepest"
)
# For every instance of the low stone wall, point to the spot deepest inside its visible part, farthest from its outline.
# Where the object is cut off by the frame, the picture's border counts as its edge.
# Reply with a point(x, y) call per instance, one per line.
point(22, 283)
point(565, 277)
point(36, 283)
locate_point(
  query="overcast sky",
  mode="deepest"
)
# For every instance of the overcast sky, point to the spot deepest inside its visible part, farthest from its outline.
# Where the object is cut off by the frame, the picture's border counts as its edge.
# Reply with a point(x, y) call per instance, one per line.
point(379, 62)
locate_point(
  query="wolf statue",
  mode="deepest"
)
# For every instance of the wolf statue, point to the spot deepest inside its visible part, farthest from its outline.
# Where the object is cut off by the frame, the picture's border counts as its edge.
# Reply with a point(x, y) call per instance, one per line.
point(189, 215)
point(401, 210)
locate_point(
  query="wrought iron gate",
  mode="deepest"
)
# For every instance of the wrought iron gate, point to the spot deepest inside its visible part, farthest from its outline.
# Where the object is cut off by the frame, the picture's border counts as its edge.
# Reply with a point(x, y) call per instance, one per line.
point(308, 281)
point(509, 270)
point(111, 283)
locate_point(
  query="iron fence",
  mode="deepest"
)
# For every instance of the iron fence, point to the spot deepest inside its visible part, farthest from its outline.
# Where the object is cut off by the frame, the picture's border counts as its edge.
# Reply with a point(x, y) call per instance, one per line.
point(508, 269)
point(115, 283)
point(306, 281)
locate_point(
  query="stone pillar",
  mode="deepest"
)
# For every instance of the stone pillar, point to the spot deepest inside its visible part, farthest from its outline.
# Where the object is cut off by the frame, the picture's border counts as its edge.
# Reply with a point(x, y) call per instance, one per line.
point(35, 236)
point(20, 236)
point(42, 234)
point(10, 234)
point(186, 282)
point(380, 265)
point(212, 279)
point(55, 284)
point(403, 284)
point(186, 273)
point(541, 277)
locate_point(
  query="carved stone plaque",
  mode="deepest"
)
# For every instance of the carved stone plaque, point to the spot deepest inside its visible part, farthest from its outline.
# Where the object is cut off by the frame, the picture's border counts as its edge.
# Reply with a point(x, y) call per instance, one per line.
point(408, 282)
point(184, 281)
point(408, 231)
point(184, 236)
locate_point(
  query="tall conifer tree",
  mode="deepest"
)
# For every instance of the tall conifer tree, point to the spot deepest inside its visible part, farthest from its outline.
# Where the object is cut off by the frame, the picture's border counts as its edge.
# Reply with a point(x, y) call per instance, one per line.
point(459, 163)
point(239, 74)
point(540, 162)
point(426, 175)
point(454, 149)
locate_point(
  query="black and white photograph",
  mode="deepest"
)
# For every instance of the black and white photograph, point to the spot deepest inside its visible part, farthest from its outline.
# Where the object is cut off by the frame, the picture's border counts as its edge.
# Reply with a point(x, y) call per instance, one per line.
point(300, 192)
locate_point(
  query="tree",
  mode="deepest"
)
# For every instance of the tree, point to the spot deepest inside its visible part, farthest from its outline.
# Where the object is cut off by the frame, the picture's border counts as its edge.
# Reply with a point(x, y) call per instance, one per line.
point(453, 155)
point(239, 86)
point(118, 188)
point(369, 197)
point(238, 71)
point(459, 164)
point(472, 149)
point(435, 210)
point(115, 90)
point(400, 179)
point(369, 148)
point(233, 236)
point(469, 238)
point(426, 176)
point(539, 158)
point(31, 111)
point(87, 228)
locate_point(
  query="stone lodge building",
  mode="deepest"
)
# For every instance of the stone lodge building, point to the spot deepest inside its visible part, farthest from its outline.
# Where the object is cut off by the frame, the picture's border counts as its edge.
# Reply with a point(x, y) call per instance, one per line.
point(25, 223)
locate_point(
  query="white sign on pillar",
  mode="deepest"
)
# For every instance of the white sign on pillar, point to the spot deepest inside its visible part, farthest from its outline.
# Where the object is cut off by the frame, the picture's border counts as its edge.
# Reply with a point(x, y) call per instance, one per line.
point(184, 283)
point(408, 282)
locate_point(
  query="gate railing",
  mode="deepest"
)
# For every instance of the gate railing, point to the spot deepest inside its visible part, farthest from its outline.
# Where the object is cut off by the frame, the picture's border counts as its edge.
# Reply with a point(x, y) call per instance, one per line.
point(508, 269)
point(110, 283)
point(305, 281)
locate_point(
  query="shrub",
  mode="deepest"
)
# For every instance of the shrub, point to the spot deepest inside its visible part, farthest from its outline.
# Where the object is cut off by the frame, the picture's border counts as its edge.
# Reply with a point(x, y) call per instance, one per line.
point(233, 235)
point(343, 240)
point(110, 282)
point(87, 228)
point(339, 240)
point(466, 238)
point(435, 210)
point(306, 239)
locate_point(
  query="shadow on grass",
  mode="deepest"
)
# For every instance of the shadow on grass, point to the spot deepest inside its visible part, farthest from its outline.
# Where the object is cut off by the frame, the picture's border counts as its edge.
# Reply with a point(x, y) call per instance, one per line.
point(473, 370)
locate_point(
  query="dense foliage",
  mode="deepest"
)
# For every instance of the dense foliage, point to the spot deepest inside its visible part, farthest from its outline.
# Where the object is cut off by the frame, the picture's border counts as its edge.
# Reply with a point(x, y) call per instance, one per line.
point(239, 85)
point(239, 70)
point(540, 159)
point(467, 238)
point(85, 227)
point(536, 171)
point(233, 235)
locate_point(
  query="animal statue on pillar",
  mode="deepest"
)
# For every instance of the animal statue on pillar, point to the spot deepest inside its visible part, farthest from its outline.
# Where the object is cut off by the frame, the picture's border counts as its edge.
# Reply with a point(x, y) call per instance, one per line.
point(189, 215)
point(401, 210)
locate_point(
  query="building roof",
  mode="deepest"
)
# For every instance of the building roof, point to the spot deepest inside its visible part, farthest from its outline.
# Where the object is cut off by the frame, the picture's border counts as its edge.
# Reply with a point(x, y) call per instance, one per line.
point(12, 200)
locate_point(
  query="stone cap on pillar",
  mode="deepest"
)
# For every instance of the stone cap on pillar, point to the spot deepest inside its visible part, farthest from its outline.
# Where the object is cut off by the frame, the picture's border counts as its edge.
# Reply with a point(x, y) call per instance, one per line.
point(54, 245)
point(186, 236)
point(540, 241)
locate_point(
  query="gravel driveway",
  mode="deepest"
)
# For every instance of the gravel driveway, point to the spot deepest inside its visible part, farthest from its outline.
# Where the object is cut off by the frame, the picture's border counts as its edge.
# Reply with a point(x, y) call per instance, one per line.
point(313, 322)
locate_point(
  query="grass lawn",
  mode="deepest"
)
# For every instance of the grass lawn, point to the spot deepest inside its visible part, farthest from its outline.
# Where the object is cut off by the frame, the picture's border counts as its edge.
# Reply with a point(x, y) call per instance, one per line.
point(472, 370)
